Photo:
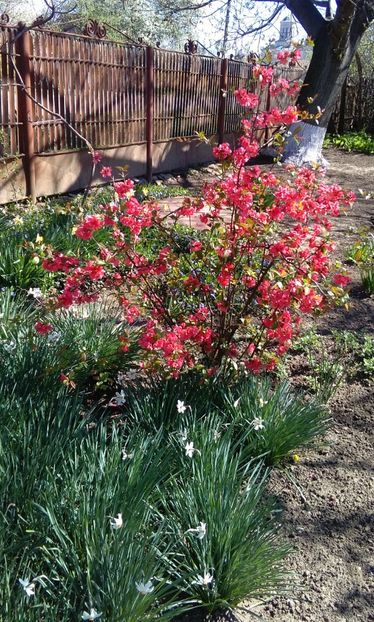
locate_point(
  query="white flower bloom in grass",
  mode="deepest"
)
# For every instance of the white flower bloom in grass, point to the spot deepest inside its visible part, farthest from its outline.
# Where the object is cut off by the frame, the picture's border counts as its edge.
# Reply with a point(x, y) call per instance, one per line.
point(28, 586)
point(181, 407)
point(125, 455)
point(144, 588)
point(119, 399)
point(183, 435)
point(53, 336)
point(190, 450)
point(204, 579)
point(258, 423)
point(200, 530)
point(236, 403)
point(9, 346)
point(35, 292)
point(91, 615)
point(262, 402)
point(216, 435)
point(116, 523)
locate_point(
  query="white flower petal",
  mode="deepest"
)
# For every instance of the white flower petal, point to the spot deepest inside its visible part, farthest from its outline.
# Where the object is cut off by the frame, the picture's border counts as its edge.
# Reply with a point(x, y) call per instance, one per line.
point(144, 588)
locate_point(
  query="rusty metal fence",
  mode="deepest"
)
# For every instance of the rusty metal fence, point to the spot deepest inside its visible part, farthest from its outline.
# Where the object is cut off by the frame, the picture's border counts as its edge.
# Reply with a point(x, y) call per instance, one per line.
point(113, 94)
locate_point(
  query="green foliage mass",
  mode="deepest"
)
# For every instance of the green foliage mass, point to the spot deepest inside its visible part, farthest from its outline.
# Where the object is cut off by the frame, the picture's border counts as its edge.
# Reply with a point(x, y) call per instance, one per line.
point(352, 141)
point(150, 20)
point(362, 255)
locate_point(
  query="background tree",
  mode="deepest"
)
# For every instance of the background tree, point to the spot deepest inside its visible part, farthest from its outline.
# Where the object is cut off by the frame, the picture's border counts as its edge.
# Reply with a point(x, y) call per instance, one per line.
point(147, 19)
point(336, 38)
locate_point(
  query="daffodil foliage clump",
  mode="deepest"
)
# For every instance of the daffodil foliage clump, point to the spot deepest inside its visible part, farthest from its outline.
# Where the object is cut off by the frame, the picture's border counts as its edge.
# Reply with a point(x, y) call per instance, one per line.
point(141, 506)
point(232, 289)
point(99, 522)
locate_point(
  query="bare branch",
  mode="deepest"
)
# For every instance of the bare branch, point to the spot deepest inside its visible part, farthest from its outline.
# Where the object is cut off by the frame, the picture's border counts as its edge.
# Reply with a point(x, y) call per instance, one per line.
point(263, 24)
point(191, 7)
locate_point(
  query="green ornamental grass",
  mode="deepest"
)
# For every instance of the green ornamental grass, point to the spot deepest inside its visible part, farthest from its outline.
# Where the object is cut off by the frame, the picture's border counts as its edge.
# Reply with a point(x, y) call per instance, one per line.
point(223, 527)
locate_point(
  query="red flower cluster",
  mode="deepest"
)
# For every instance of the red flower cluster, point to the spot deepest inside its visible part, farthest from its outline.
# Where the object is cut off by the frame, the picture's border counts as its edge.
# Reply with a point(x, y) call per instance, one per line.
point(233, 292)
point(285, 57)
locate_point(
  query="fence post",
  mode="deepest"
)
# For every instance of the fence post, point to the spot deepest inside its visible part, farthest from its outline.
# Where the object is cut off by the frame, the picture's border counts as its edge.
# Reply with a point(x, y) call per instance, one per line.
point(149, 110)
point(222, 101)
point(25, 110)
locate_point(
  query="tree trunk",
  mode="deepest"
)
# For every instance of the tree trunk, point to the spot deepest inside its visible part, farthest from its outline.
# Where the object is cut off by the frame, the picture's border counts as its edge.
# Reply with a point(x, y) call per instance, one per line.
point(322, 85)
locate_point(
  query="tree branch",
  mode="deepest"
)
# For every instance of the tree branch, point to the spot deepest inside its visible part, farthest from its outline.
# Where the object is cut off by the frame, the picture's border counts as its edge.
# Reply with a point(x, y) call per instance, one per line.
point(263, 24)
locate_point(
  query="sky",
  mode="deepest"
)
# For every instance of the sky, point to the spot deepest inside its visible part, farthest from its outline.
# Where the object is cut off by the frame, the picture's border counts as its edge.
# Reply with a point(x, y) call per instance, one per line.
point(208, 29)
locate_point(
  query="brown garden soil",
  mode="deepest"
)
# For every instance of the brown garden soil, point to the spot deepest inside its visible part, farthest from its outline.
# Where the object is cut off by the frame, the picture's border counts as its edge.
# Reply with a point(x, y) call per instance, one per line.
point(331, 529)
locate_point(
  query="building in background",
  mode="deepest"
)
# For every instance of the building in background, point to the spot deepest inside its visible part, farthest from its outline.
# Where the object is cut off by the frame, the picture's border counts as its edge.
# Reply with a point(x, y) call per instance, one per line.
point(288, 35)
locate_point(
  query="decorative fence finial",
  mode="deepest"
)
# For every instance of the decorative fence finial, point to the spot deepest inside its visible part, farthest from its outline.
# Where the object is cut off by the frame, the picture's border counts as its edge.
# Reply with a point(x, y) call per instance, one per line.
point(94, 29)
point(4, 19)
point(252, 58)
point(190, 47)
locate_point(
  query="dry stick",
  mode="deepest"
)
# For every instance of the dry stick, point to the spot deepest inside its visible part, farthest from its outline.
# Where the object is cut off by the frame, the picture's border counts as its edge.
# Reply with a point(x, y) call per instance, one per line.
point(57, 115)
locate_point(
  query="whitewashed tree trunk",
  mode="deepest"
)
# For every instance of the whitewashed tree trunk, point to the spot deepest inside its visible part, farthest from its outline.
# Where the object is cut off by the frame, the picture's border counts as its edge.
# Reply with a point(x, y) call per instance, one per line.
point(304, 144)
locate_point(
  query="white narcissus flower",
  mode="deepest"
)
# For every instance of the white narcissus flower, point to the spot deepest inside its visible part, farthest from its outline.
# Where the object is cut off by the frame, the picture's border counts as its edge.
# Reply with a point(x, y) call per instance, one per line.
point(116, 523)
point(204, 579)
point(190, 450)
point(262, 402)
point(200, 530)
point(181, 407)
point(91, 615)
point(53, 336)
point(35, 292)
point(9, 346)
point(183, 435)
point(216, 435)
point(28, 586)
point(125, 455)
point(119, 399)
point(258, 423)
point(144, 588)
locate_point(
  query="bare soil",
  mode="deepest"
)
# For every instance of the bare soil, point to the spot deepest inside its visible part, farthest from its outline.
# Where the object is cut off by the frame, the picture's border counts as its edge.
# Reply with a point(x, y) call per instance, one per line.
point(332, 529)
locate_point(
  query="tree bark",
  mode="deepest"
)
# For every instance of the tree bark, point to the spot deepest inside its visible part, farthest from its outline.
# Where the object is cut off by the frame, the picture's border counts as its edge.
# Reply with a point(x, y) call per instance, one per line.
point(334, 48)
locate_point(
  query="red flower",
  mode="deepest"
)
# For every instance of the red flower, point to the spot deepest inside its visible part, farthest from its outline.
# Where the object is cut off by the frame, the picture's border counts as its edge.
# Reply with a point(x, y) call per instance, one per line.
point(122, 188)
point(222, 152)
point(195, 246)
point(43, 329)
point(341, 279)
point(244, 98)
point(283, 57)
point(96, 156)
point(106, 171)
point(93, 271)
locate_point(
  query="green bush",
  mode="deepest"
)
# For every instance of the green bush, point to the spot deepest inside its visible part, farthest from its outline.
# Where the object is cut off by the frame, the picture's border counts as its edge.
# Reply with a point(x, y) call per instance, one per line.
point(352, 141)
point(86, 349)
point(145, 192)
point(19, 267)
point(362, 254)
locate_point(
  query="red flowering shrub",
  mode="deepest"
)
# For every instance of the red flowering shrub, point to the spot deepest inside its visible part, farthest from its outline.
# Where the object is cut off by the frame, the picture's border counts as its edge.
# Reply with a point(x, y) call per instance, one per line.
point(231, 290)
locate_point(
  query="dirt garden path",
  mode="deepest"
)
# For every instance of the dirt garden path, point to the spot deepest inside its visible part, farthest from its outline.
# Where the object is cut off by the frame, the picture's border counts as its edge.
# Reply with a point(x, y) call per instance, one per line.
point(331, 532)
